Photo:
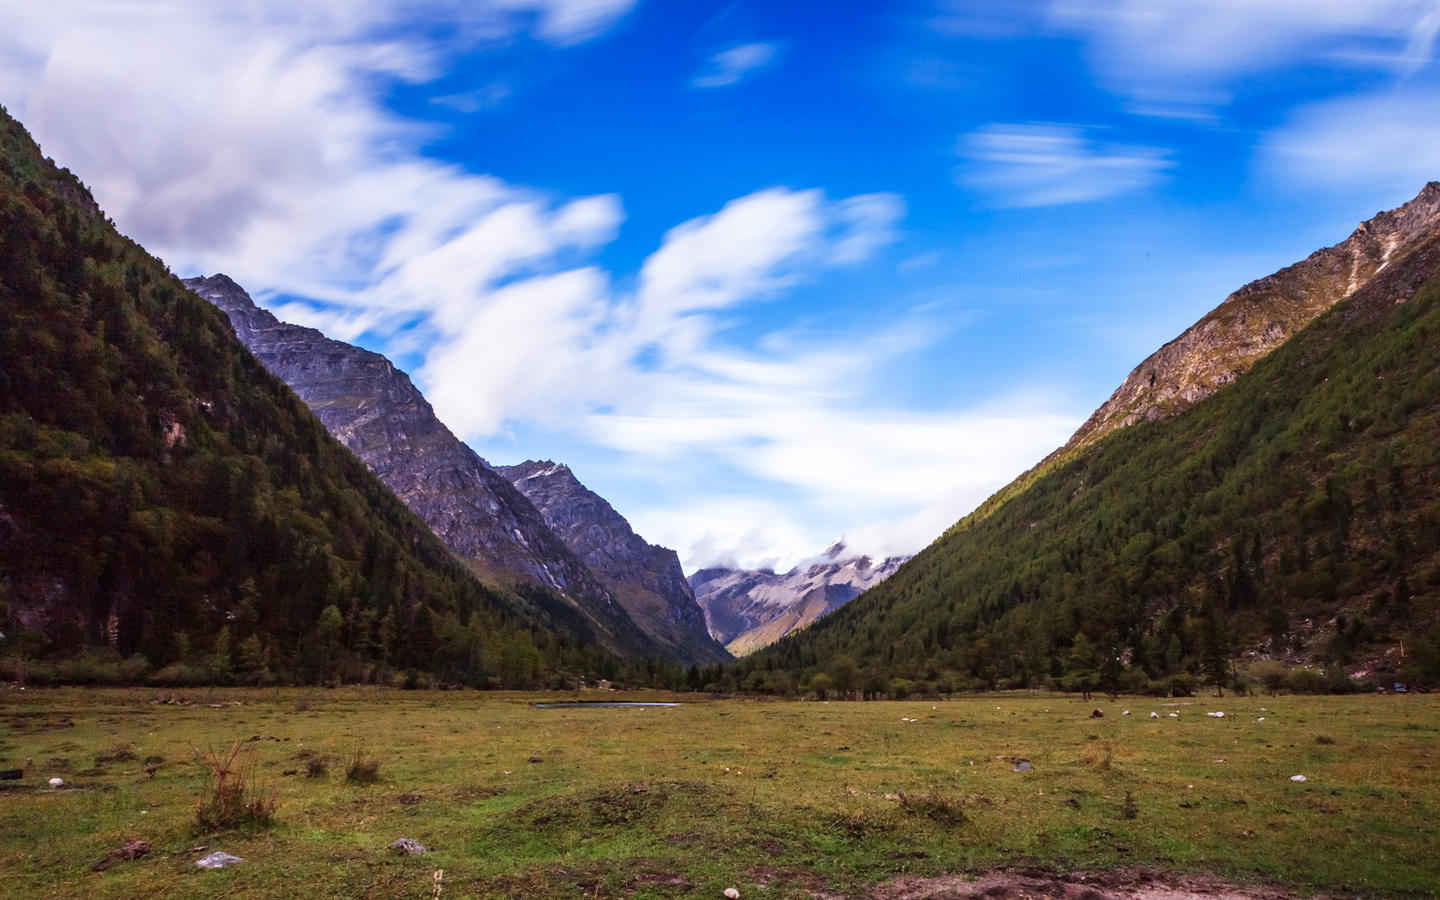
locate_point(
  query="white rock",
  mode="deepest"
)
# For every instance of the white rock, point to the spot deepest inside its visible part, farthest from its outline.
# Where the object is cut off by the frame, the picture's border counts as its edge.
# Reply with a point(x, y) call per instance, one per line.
point(57, 782)
point(1154, 715)
point(732, 894)
point(217, 860)
point(1297, 777)
point(1174, 715)
point(1125, 713)
point(1216, 715)
point(1261, 719)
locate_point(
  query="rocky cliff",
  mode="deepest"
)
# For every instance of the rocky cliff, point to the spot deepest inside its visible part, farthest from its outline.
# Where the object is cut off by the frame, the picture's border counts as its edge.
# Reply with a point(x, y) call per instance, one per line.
point(375, 411)
point(1259, 317)
point(646, 578)
point(747, 610)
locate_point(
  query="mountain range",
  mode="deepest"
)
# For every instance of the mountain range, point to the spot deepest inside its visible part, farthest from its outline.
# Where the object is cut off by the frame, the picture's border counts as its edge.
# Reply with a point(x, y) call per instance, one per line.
point(510, 524)
point(195, 497)
point(749, 609)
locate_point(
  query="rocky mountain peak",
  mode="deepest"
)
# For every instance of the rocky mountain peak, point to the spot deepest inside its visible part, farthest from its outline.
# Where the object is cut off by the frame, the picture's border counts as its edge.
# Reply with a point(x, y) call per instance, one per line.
point(750, 609)
point(645, 578)
point(1259, 317)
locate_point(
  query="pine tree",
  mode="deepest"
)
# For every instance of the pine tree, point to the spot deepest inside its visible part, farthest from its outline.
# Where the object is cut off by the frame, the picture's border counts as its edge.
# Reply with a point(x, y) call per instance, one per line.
point(221, 666)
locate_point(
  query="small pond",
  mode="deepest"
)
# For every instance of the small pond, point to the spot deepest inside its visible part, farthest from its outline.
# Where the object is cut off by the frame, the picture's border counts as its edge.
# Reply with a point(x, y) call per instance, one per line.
point(596, 704)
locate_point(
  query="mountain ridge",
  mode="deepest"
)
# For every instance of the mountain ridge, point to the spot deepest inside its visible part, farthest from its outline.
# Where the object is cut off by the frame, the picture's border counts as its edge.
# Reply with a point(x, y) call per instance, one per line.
point(1292, 515)
point(374, 410)
point(645, 578)
point(1257, 318)
point(170, 509)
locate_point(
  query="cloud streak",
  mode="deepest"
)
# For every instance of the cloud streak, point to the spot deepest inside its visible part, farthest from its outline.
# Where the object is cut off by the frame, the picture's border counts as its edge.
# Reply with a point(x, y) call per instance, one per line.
point(735, 64)
point(1052, 165)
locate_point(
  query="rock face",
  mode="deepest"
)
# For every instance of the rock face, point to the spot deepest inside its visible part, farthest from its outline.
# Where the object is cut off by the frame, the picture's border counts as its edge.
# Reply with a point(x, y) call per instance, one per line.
point(375, 411)
point(747, 610)
point(1260, 317)
point(645, 578)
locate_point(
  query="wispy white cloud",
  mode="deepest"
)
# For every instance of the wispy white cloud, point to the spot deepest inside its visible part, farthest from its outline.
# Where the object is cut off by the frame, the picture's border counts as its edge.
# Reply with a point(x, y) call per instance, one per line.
point(571, 339)
point(266, 146)
point(1050, 165)
point(1140, 46)
point(1181, 59)
point(473, 101)
point(1381, 142)
point(733, 65)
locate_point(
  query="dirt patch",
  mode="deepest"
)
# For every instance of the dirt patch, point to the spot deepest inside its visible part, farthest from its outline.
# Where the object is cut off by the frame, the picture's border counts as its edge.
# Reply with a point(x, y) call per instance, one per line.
point(660, 880)
point(1118, 885)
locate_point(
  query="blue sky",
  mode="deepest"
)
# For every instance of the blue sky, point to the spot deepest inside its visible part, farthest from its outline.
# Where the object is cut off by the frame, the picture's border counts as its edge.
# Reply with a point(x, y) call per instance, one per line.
point(764, 275)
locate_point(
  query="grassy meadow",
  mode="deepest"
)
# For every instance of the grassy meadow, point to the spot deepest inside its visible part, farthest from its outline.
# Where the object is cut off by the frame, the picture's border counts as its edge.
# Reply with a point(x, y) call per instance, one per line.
point(777, 799)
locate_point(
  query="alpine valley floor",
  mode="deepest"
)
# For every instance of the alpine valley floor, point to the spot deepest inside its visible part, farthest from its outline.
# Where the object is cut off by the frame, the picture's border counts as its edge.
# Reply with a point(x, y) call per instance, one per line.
point(777, 799)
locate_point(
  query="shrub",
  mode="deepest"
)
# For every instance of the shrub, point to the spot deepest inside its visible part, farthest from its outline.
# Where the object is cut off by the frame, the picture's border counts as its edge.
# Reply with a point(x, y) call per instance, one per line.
point(362, 769)
point(1182, 686)
point(1307, 681)
point(232, 800)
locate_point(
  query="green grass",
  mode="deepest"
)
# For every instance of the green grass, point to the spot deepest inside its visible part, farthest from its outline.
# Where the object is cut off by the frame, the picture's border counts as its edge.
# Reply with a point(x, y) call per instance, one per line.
point(780, 799)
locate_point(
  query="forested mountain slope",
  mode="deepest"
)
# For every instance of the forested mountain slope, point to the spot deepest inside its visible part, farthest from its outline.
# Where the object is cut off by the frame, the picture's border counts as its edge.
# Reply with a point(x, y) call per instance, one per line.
point(1295, 513)
point(162, 494)
point(378, 414)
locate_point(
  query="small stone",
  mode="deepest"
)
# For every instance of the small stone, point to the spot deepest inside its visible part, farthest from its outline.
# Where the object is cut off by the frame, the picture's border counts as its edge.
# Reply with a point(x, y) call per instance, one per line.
point(217, 860)
point(732, 893)
point(1297, 777)
point(57, 782)
point(132, 849)
point(1096, 714)
point(1125, 713)
point(1154, 715)
point(407, 846)
point(1023, 766)
point(1216, 715)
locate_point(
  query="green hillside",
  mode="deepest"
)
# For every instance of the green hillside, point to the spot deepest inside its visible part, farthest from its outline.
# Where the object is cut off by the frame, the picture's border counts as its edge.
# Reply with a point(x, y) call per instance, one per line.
point(166, 504)
point(1294, 515)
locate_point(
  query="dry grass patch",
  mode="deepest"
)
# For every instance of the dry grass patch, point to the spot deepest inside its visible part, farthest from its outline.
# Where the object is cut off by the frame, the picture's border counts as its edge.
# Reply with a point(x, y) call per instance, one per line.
point(232, 800)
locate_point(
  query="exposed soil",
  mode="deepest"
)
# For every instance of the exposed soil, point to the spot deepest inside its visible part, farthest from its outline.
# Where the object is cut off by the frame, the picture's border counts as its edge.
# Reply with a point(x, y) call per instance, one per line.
point(1124, 884)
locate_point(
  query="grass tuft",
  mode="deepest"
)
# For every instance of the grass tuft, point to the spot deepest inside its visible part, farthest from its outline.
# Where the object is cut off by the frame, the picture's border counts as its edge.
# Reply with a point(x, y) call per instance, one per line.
point(233, 801)
point(362, 769)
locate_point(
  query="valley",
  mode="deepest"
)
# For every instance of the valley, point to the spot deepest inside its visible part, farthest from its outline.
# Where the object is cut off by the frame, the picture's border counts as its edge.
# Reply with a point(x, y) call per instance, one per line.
point(776, 799)
point(272, 626)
